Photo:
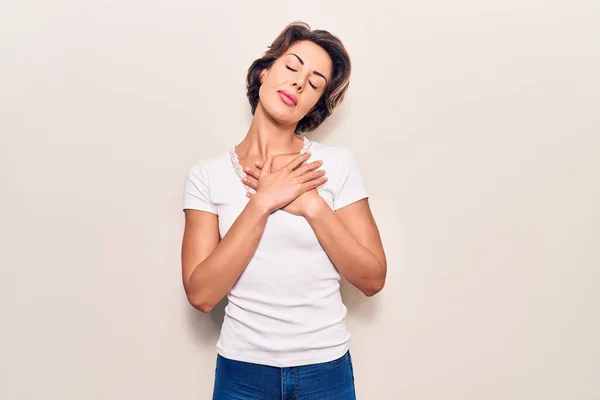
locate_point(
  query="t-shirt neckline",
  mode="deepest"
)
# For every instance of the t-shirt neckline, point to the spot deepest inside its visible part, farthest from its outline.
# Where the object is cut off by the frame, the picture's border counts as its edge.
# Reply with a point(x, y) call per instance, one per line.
point(239, 171)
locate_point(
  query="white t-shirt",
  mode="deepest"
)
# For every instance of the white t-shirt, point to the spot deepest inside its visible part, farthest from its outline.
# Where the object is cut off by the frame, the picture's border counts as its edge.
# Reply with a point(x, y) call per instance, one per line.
point(285, 309)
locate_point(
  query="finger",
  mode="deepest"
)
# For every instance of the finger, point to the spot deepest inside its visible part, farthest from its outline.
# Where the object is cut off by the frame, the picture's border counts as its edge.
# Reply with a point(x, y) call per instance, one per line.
point(248, 194)
point(304, 168)
point(253, 183)
point(310, 176)
point(297, 161)
point(260, 166)
point(267, 167)
point(313, 184)
point(252, 171)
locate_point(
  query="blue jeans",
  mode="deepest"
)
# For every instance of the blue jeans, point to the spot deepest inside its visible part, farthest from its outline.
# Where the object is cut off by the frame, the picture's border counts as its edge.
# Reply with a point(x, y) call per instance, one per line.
point(237, 380)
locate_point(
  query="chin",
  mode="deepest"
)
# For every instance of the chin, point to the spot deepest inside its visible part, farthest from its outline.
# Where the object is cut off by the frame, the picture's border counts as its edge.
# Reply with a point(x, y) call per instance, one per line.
point(279, 112)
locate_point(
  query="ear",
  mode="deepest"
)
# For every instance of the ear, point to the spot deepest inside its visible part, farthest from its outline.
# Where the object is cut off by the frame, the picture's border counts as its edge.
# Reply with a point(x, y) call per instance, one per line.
point(263, 75)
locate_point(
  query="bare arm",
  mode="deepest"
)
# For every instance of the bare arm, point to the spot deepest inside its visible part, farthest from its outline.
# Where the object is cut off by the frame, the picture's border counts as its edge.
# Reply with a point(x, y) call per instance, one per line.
point(210, 267)
point(351, 239)
point(349, 236)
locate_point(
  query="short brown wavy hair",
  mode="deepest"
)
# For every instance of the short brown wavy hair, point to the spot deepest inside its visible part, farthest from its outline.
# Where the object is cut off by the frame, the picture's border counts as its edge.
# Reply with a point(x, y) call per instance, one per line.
point(334, 91)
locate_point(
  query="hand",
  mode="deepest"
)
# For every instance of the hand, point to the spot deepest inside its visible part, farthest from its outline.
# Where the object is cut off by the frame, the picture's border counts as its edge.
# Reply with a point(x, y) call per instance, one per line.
point(304, 204)
point(277, 189)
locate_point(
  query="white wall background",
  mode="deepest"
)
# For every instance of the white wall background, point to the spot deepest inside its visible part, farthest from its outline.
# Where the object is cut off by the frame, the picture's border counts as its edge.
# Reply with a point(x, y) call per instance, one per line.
point(477, 127)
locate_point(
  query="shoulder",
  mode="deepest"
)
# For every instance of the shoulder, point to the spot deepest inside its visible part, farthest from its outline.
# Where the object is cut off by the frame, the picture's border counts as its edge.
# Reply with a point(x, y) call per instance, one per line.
point(197, 188)
point(205, 167)
point(346, 180)
point(337, 160)
point(339, 154)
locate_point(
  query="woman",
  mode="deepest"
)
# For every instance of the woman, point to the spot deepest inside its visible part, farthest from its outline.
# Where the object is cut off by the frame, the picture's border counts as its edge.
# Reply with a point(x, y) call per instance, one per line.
point(265, 227)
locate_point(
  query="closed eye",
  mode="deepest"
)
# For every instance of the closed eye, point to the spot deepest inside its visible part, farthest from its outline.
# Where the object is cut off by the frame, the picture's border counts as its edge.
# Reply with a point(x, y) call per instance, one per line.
point(309, 82)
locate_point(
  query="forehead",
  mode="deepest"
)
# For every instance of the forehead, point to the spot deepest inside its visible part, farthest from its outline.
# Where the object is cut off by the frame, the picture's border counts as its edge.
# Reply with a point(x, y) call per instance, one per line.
point(313, 55)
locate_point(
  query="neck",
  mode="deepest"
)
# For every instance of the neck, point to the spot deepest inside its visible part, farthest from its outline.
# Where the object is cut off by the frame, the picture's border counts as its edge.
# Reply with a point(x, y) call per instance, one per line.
point(267, 136)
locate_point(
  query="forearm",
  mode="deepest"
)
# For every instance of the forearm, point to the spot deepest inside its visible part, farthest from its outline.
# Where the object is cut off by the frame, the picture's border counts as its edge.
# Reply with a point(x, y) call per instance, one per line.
point(214, 276)
point(353, 260)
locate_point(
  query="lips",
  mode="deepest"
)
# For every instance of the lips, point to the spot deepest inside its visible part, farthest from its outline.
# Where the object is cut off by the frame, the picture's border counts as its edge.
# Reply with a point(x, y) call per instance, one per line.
point(288, 98)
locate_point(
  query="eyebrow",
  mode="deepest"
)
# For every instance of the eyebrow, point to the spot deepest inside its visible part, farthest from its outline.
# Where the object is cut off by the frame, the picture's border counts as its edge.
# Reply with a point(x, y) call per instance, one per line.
point(314, 72)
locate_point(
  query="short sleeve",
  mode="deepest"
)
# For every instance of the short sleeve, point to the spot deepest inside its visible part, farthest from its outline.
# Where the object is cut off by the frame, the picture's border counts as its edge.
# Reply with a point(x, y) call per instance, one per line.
point(196, 194)
point(351, 186)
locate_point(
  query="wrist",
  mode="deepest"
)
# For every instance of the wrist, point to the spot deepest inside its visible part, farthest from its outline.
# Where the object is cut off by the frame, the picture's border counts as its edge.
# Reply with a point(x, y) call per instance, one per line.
point(258, 205)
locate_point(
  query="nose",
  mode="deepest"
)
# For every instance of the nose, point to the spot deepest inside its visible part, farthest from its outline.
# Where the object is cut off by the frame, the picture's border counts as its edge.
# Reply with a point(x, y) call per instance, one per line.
point(297, 86)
